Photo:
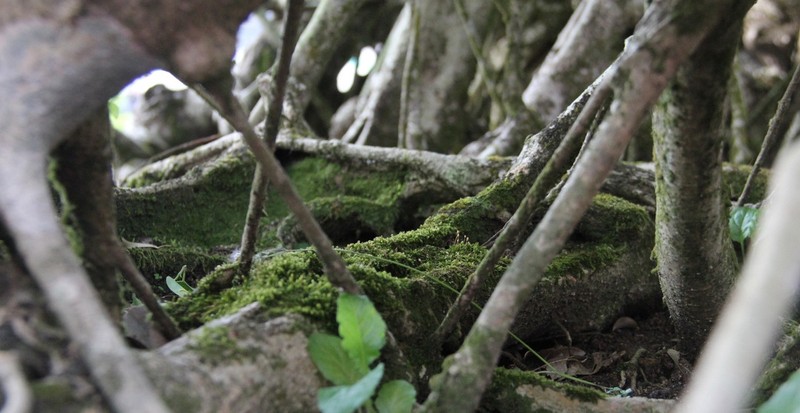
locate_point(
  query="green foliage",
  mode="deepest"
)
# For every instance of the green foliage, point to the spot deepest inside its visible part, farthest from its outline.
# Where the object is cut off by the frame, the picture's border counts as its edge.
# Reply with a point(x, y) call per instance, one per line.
point(345, 362)
point(333, 361)
point(178, 285)
point(742, 223)
point(342, 399)
point(786, 399)
point(361, 327)
point(396, 396)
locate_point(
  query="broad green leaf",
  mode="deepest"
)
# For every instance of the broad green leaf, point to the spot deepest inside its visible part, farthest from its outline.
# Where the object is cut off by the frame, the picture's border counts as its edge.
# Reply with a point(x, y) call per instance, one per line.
point(749, 222)
point(735, 225)
point(332, 361)
point(176, 287)
point(742, 223)
point(346, 399)
point(361, 327)
point(396, 396)
point(786, 399)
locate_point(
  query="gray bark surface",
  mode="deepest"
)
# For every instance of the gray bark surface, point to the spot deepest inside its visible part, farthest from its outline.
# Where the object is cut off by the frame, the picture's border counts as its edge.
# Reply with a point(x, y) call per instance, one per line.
point(696, 261)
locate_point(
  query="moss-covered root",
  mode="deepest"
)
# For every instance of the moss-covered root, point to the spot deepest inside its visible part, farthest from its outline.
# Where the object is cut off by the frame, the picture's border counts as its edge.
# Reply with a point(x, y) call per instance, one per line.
point(528, 392)
point(786, 362)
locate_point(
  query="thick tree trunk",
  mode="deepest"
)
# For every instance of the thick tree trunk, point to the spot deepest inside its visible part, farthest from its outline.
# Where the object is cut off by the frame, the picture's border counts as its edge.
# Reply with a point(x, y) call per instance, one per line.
point(439, 67)
point(696, 261)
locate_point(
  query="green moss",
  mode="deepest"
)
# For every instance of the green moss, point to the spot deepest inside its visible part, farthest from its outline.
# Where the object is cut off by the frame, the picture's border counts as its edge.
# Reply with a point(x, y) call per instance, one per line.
point(210, 210)
point(291, 282)
point(318, 178)
point(502, 395)
point(345, 218)
point(214, 345)
point(206, 213)
point(579, 259)
point(612, 219)
point(157, 263)
point(734, 178)
point(58, 397)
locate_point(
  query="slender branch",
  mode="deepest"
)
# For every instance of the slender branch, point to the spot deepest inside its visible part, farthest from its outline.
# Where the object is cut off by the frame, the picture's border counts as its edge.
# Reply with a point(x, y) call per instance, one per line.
point(737, 110)
point(141, 287)
point(408, 68)
point(558, 163)
point(472, 39)
point(258, 191)
point(776, 124)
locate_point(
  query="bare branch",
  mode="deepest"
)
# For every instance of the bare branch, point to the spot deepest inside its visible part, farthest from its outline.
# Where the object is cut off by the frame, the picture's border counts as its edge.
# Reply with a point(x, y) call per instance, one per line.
point(277, 91)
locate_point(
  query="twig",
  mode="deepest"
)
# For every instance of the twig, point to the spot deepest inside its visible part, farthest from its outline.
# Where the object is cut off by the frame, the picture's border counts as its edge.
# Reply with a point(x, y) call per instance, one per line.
point(472, 38)
point(408, 67)
point(141, 287)
point(258, 191)
point(776, 124)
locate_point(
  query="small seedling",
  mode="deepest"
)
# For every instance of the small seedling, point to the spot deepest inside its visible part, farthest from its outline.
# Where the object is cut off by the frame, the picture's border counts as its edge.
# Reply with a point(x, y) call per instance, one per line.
point(178, 285)
point(742, 224)
point(345, 361)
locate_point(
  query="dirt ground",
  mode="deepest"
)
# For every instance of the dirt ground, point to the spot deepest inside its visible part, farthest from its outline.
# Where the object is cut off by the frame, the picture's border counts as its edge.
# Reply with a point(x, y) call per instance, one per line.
point(637, 357)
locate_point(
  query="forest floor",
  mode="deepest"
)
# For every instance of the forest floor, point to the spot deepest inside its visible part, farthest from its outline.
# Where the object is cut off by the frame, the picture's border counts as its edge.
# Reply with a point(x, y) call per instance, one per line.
point(638, 357)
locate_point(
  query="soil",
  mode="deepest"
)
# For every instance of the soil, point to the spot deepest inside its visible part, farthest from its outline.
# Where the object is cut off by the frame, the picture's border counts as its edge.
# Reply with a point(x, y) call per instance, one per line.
point(637, 357)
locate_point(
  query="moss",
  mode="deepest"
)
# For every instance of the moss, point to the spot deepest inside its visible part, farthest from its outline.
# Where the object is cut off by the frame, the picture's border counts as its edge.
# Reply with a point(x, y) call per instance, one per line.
point(291, 282)
point(345, 219)
point(579, 259)
point(502, 396)
point(214, 345)
point(157, 263)
point(319, 178)
point(612, 219)
point(206, 213)
point(476, 219)
point(58, 397)
point(734, 178)
point(210, 210)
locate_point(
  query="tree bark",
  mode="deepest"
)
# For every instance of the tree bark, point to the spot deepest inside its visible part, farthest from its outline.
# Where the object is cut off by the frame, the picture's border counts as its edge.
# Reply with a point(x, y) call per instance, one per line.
point(591, 40)
point(696, 261)
point(439, 66)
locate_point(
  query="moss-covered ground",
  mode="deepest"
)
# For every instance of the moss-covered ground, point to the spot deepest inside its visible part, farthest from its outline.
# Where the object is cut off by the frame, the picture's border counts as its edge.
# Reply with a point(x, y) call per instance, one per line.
point(411, 275)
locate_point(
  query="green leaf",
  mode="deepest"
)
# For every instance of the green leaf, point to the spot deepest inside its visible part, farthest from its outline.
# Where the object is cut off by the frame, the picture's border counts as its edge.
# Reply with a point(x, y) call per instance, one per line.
point(742, 223)
point(346, 399)
point(750, 222)
point(332, 361)
point(396, 396)
point(176, 287)
point(361, 327)
point(786, 399)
